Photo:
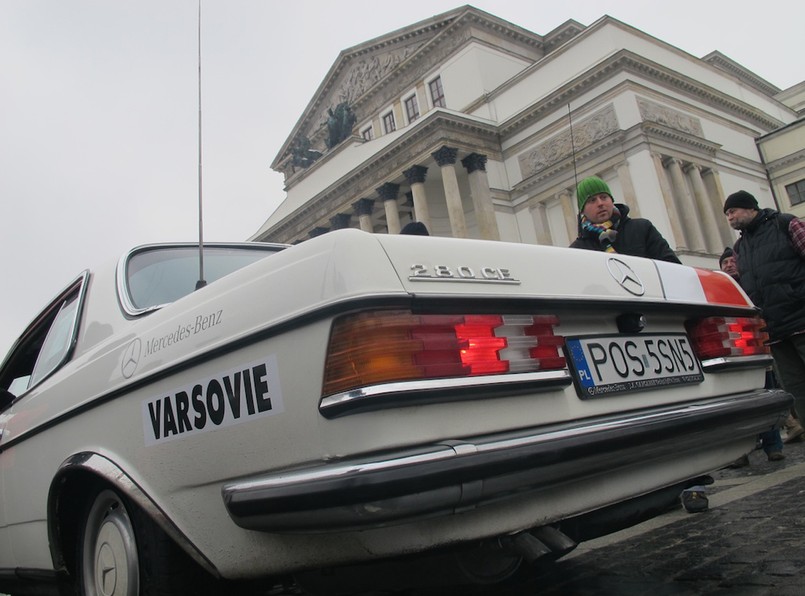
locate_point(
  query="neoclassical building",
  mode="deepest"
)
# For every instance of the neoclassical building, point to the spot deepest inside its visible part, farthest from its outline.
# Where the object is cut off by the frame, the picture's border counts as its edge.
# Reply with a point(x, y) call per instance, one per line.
point(480, 128)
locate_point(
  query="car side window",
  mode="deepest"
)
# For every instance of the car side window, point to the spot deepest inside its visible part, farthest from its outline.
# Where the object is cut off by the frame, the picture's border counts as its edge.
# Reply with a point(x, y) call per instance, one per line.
point(46, 344)
point(151, 276)
point(58, 340)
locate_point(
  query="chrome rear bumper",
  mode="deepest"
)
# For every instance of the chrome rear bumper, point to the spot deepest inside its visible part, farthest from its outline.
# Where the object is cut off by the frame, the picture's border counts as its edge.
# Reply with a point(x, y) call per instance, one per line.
point(440, 478)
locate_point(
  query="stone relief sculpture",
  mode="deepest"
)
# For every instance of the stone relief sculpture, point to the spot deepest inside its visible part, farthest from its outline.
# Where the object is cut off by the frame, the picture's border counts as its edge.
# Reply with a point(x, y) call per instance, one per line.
point(368, 72)
point(559, 147)
point(654, 112)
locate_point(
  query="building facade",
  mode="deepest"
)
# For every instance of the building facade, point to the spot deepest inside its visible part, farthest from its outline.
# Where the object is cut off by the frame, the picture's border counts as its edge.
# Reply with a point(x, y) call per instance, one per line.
point(783, 154)
point(479, 128)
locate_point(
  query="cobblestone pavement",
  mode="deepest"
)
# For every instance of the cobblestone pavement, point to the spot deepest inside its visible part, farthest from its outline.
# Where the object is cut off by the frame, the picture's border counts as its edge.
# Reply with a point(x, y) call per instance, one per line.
point(750, 542)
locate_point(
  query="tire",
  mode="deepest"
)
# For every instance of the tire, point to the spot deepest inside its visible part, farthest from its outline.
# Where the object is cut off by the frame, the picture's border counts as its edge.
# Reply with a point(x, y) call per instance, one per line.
point(121, 552)
point(108, 561)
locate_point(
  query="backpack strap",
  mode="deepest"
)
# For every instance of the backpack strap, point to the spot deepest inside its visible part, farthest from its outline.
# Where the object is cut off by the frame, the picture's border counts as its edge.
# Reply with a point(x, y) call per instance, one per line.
point(784, 221)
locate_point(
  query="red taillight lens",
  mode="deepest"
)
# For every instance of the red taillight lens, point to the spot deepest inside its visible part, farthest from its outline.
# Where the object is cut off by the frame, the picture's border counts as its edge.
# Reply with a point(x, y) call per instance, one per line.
point(385, 346)
point(720, 289)
point(716, 337)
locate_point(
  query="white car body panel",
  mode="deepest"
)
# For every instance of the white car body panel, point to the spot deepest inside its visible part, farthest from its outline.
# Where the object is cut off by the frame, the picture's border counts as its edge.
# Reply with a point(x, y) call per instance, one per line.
point(275, 312)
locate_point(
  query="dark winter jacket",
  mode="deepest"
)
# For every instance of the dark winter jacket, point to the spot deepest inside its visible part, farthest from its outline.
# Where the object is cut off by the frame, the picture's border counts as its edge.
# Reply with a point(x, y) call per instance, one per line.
point(772, 274)
point(637, 237)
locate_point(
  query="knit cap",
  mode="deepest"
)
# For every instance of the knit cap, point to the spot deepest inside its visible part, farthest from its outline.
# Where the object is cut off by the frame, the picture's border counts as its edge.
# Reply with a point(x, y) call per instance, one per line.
point(589, 187)
point(728, 252)
point(741, 200)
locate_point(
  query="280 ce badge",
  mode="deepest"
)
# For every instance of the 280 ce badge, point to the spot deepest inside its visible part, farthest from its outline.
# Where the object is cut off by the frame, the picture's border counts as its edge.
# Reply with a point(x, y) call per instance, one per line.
point(420, 272)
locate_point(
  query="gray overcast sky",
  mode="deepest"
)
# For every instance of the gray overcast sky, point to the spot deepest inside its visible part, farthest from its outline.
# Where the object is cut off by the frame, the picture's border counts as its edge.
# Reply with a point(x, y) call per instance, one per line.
point(98, 109)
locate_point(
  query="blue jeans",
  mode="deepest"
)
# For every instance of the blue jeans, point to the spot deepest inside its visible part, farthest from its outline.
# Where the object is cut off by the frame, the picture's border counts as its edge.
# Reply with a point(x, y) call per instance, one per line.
point(771, 441)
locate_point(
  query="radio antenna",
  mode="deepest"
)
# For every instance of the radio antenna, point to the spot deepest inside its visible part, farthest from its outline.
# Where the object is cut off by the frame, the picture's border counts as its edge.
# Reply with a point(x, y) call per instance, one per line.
point(572, 146)
point(201, 282)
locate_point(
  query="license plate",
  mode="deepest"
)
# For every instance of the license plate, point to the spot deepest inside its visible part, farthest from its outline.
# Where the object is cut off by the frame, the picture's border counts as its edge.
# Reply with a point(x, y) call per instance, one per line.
point(604, 365)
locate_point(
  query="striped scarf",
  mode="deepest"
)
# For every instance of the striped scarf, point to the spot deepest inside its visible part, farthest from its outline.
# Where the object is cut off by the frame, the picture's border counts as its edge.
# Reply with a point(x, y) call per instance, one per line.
point(606, 231)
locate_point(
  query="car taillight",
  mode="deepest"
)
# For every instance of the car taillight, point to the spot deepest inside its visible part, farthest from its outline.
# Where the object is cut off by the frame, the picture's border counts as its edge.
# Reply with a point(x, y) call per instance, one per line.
point(720, 289)
point(384, 346)
point(716, 337)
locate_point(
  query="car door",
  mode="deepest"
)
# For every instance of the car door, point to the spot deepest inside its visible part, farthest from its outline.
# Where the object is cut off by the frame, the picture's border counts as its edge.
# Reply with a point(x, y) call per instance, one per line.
point(43, 347)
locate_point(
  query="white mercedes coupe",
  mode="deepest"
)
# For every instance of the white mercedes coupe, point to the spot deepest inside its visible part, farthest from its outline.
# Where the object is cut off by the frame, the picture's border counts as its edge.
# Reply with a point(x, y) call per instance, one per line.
point(354, 410)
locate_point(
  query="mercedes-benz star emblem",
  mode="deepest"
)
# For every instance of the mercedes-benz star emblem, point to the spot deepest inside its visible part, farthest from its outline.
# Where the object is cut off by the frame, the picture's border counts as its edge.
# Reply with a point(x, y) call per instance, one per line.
point(131, 358)
point(626, 277)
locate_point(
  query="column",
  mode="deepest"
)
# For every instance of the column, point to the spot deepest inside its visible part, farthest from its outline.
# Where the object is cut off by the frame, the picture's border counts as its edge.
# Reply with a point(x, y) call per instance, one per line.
point(446, 159)
point(712, 238)
point(415, 176)
point(627, 187)
point(569, 207)
point(687, 208)
point(712, 182)
point(539, 216)
point(670, 205)
point(388, 194)
point(481, 196)
point(363, 209)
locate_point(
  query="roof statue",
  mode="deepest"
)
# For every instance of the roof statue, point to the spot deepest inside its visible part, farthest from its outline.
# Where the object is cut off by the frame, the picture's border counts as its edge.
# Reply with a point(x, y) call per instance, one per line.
point(303, 155)
point(339, 124)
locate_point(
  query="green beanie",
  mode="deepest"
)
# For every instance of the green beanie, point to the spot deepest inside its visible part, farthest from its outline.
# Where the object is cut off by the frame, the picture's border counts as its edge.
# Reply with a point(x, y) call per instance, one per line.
point(589, 187)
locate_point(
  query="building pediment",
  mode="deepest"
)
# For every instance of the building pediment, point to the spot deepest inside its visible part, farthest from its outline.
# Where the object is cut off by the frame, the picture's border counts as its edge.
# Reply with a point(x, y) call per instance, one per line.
point(369, 75)
point(357, 72)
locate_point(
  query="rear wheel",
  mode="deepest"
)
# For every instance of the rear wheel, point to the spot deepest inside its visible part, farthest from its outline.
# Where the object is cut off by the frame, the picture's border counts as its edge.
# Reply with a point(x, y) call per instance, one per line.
point(122, 552)
point(108, 561)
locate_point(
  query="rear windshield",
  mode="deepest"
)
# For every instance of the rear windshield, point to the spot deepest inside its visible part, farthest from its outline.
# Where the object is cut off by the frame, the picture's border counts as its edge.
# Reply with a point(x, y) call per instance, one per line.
point(160, 275)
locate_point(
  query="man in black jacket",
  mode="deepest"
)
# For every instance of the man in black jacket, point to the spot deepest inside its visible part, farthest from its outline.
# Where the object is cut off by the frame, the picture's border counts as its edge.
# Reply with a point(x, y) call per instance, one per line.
point(605, 225)
point(771, 265)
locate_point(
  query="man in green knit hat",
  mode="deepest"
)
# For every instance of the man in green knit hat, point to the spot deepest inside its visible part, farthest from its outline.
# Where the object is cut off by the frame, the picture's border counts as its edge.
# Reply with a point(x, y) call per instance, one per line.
point(605, 225)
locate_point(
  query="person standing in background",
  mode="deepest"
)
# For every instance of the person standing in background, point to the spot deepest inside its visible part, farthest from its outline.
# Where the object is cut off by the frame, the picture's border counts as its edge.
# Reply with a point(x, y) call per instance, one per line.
point(605, 225)
point(770, 257)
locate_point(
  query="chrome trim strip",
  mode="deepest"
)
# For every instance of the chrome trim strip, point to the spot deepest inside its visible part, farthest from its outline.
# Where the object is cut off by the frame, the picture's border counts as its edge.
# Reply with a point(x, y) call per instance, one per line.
point(436, 479)
point(733, 362)
point(355, 398)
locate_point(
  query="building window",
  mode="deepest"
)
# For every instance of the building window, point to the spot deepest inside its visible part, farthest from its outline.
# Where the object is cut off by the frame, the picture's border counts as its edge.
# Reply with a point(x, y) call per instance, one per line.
point(411, 108)
point(388, 123)
point(437, 93)
point(368, 134)
point(796, 192)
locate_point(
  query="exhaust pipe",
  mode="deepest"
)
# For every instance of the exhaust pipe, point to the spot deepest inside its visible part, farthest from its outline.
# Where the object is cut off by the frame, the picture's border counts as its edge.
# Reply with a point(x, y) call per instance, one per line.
point(526, 545)
point(559, 543)
point(538, 543)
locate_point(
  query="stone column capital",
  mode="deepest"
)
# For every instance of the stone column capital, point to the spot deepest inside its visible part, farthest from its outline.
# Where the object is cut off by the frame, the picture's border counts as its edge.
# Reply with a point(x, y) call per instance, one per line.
point(363, 206)
point(416, 174)
point(474, 162)
point(445, 156)
point(388, 191)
